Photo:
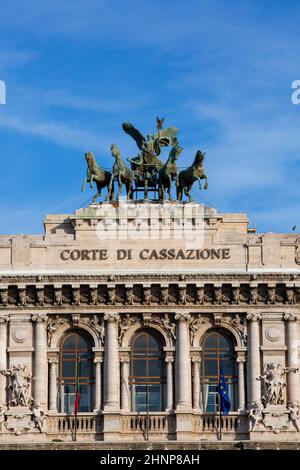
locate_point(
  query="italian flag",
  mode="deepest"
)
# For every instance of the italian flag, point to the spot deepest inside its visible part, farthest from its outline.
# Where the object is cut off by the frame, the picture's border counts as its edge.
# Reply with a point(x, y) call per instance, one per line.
point(76, 404)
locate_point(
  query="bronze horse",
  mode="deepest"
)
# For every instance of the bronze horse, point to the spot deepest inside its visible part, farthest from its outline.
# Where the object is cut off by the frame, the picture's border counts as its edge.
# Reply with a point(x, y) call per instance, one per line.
point(168, 173)
point(121, 173)
point(187, 177)
point(101, 177)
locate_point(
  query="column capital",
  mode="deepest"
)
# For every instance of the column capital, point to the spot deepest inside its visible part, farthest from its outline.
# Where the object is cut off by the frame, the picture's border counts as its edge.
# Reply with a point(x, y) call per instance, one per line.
point(53, 360)
point(124, 360)
point(290, 317)
point(4, 319)
point(169, 359)
point(39, 318)
point(111, 317)
point(196, 360)
point(252, 317)
point(183, 317)
point(240, 359)
point(98, 360)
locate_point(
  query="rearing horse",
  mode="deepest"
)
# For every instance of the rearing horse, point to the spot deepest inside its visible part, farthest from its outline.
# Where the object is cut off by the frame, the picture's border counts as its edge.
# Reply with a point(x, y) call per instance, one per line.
point(187, 177)
point(121, 173)
point(101, 177)
point(168, 173)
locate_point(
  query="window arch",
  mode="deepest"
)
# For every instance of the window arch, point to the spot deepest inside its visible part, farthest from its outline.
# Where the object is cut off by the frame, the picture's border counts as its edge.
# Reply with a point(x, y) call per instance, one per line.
point(217, 351)
point(76, 367)
point(147, 373)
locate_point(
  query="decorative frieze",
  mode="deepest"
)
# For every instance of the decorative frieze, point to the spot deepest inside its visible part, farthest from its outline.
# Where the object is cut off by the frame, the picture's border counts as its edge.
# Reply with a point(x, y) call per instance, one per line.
point(180, 293)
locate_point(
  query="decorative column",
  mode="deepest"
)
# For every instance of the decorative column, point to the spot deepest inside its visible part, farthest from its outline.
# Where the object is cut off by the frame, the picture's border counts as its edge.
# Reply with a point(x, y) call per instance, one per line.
point(53, 384)
point(196, 383)
point(3, 345)
point(241, 382)
point(254, 385)
point(40, 360)
point(183, 363)
point(111, 364)
point(170, 404)
point(293, 383)
point(125, 397)
point(98, 383)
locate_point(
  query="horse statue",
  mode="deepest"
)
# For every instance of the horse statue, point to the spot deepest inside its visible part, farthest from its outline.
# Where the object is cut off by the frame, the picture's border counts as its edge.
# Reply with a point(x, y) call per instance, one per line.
point(121, 173)
point(187, 177)
point(168, 173)
point(101, 177)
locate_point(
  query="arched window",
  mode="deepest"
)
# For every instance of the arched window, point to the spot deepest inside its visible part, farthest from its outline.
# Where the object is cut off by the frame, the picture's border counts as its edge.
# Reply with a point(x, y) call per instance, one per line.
point(147, 373)
point(76, 368)
point(217, 352)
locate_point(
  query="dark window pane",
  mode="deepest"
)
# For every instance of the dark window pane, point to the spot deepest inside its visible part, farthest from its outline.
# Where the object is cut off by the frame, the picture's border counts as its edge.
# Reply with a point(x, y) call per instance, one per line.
point(139, 368)
point(211, 341)
point(82, 343)
point(152, 343)
point(211, 367)
point(154, 368)
point(140, 342)
point(69, 343)
point(68, 369)
point(223, 342)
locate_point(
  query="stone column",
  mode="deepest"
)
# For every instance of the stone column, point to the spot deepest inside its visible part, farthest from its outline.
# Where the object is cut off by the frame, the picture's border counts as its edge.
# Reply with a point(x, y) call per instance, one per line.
point(98, 384)
point(170, 404)
point(293, 383)
point(40, 360)
point(125, 394)
point(183, 363)
point(111, 364)
point(3, 363)
point(253, 362)
point(196, 383)
point(241, 383)
point(53, 384)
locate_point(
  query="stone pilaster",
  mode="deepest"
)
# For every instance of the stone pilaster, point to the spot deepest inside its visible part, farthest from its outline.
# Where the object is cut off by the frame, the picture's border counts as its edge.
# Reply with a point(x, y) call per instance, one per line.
point(111, 364)
point(196, 383)
point(293, 383)
point(40, 360)
point(3, 363)
point(125, 394)
point(241, 382)
point(253, 363)
point(183, 363)
point(170, 401)
point(53, 361)
point(98, 384)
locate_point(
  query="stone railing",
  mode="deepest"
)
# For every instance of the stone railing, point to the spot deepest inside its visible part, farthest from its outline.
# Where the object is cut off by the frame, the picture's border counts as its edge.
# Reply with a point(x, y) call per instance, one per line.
point(63, 426)
point(233, 423)
point(161, 424)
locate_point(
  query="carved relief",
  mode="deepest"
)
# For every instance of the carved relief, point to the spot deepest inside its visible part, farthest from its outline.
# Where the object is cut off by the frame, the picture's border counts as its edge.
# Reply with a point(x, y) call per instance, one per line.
point(274, 382)
point(240, 325)
point(53, 326)
point(168, 326)
point(98, 327)
point(19, 383)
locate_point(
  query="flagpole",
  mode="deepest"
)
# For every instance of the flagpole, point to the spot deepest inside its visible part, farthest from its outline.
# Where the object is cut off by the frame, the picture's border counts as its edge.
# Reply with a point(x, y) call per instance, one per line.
point(76, 406)
point(220, 423)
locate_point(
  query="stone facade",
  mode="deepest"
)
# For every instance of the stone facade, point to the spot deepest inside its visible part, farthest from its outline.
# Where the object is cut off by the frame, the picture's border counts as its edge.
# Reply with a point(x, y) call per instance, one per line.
point(86, 274)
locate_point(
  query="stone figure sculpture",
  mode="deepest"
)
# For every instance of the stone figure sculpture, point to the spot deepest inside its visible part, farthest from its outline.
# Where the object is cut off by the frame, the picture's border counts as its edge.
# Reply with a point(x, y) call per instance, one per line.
point(256, 415)
point(38, 417)
point(294, 410)
point(187, 177)
point(274, 380)
point(101, 177)
point(20, 380)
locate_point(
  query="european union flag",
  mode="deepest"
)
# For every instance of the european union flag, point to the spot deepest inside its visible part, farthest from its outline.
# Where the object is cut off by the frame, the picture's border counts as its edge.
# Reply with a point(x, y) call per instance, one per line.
point(223, 392)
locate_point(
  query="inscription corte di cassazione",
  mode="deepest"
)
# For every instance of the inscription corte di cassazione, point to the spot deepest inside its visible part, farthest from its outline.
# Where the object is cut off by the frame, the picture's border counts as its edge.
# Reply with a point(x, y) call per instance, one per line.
point(146, 254)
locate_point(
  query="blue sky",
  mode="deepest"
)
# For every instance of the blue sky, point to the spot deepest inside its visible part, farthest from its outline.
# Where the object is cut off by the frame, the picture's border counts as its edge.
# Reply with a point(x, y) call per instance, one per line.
point(219, 70)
